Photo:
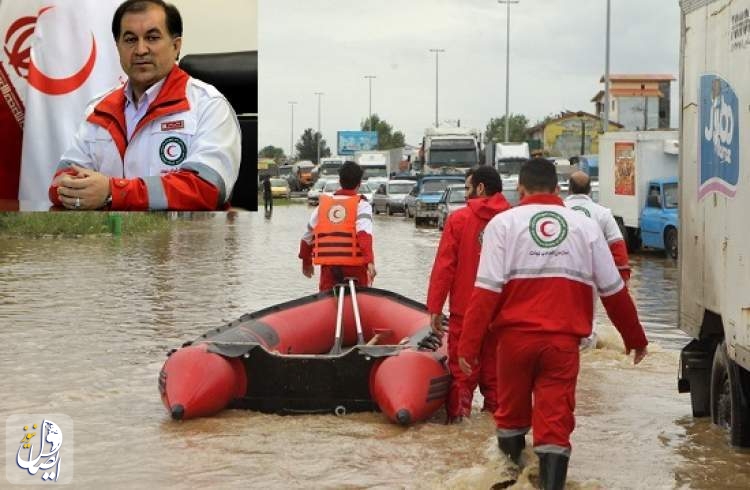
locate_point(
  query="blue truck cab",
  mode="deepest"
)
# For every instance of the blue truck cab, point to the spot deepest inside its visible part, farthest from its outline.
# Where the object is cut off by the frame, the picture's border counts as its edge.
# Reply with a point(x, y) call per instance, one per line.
point(659, 217)
point(422, 203)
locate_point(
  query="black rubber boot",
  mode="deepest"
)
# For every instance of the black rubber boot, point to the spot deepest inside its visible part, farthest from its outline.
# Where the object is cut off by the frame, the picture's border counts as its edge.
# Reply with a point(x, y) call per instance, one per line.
point(553, 469)
point(512, 446)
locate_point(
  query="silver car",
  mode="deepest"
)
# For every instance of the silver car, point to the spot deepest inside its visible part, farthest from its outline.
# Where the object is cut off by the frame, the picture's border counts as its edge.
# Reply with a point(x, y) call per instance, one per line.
point(453, 199)
point(391, 195)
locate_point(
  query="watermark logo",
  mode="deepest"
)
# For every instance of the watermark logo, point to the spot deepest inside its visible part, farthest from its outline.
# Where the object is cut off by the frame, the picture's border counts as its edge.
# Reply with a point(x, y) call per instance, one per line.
point(39, 449)
point(719, 155)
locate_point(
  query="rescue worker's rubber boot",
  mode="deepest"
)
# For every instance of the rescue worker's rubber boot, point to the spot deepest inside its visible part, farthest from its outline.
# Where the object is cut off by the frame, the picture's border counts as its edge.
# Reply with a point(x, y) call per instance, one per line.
point(512, 447)
point(553, 469)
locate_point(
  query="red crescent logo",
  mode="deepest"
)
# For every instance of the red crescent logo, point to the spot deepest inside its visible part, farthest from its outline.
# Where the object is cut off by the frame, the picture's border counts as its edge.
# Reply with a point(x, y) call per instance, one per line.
point(543, 226)
point(169, 151)
point(60, 86)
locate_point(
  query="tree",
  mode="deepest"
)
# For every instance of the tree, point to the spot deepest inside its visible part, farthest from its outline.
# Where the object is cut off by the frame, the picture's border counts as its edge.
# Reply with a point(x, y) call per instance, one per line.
point(274, 152)
point(307, 149)
point(387, 139)
point(517, 129)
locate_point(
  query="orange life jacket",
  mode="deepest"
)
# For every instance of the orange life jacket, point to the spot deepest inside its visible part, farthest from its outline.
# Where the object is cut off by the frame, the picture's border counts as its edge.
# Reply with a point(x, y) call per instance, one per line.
point(335, 235)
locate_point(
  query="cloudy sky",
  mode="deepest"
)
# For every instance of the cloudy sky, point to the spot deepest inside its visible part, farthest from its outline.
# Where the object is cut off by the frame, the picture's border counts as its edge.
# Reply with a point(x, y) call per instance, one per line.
point(557, 52)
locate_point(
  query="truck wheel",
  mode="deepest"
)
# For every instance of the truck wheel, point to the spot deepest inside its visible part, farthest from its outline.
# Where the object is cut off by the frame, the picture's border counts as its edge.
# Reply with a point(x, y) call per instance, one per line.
point(388, 211)
point(670, 242)
point(729, 406)
point(375, 209)
point(407, 213)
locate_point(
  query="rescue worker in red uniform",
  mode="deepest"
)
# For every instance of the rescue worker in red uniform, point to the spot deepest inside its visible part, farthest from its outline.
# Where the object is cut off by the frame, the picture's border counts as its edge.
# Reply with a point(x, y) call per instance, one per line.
point(339, 234)
point(454, 272)
point(579, 190)
point(539, 265)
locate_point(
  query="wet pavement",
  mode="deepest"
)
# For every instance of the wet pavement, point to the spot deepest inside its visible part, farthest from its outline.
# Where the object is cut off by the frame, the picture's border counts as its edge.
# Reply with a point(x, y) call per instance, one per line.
point(87, 323)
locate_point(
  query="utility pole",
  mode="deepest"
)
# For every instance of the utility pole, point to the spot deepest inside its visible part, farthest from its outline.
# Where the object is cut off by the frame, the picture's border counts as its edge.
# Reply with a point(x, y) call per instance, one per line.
point(437, 51)
point(291, 128)
point(507, 67)
point(369, 118)
point(318, 136)
point(605, 114)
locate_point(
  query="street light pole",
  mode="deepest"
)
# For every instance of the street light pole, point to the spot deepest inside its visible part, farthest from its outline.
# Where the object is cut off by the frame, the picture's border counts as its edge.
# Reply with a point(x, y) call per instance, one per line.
point(369, 119)
point(317, 162)
point(507, 67)
point(605, 115)
point(291, 128)
point(436, 51)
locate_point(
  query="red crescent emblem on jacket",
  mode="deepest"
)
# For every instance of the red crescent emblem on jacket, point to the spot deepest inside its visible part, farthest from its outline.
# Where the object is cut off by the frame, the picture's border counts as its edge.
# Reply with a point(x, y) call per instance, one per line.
point(543, 228)
point(60, 86)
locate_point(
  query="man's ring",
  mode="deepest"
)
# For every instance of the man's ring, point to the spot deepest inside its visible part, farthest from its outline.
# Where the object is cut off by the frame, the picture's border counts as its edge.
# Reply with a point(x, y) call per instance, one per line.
point(78, 202)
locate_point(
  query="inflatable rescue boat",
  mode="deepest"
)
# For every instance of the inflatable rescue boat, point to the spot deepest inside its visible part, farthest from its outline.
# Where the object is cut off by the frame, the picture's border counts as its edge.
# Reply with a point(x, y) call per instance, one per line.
point(345, 350)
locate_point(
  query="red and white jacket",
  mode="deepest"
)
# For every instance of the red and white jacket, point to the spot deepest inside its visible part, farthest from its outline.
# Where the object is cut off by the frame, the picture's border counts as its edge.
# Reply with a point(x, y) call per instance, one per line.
point(457, 257)
point(539, 265)
point(608, 225)
point(183, 155)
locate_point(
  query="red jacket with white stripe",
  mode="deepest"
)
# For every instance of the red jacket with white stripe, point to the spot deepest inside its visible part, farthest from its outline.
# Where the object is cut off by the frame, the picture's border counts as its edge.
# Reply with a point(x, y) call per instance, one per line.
point(183, 155)
point(539, 265)
point(457, 257)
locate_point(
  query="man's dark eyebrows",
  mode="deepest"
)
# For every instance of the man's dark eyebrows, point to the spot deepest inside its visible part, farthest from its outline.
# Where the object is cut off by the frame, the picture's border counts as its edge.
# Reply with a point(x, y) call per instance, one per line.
point(153, 30)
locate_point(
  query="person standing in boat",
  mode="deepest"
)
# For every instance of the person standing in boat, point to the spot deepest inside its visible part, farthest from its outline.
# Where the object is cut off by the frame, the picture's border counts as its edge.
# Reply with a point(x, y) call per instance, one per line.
point(339, 234)
point(539, 266)
point(579, 185)
point(453, 272)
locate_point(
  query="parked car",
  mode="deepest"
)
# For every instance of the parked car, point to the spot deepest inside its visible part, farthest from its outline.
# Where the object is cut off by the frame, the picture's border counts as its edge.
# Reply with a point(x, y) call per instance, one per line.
point(330, 187)
point(391, 196)
point(313, 195)
point(280, 188)
point(421, 203)
point(367, 189)
point(453, 199)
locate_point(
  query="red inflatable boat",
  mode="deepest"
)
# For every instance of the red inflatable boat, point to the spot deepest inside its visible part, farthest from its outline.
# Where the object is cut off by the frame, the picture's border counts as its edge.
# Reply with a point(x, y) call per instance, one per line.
point(345, 350)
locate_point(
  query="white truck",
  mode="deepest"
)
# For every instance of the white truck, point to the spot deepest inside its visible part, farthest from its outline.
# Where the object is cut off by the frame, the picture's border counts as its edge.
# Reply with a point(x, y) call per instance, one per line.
point(638, 182)
point(328, 168)
point(507, 157)
point(715, 199)
point(379, 164)
point(449, 150)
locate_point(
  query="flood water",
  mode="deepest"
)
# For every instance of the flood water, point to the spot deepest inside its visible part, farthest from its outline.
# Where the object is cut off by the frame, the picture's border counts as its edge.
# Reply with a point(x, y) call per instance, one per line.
point(86, 323)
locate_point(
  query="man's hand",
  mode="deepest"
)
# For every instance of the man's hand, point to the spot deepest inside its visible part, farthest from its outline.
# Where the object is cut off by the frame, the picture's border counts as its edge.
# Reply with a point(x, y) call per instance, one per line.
point(308, 270)
point(639, 354)
point(436, 323)
point(86, 189)
point(465, 366)
point(371, 273)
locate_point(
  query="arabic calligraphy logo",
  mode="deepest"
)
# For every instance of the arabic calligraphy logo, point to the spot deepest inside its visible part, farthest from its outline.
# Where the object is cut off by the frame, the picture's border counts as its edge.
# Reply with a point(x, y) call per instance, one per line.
point(47, 458)
point(18, 50)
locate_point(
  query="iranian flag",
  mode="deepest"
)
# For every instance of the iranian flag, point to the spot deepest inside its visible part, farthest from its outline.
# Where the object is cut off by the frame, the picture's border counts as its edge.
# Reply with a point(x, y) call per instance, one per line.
point(57, 56)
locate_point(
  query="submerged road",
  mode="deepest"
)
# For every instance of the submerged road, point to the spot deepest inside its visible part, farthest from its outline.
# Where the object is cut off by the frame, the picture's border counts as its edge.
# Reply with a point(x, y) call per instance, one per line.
point(87, 322)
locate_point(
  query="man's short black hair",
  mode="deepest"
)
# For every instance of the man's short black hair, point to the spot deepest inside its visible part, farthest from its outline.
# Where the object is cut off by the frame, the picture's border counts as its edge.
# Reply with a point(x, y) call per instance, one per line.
point(538, 175)
point(487, 175)
point(350, 175)
point(173, 17)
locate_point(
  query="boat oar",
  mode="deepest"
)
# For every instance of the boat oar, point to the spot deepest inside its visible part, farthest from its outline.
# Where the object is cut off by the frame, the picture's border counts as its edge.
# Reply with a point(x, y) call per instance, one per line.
point(339, 320)
point(353, 291)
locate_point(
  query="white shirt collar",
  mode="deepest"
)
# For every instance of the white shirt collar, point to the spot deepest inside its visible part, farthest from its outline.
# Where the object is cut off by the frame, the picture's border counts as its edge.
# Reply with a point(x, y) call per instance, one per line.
point(148, 96)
